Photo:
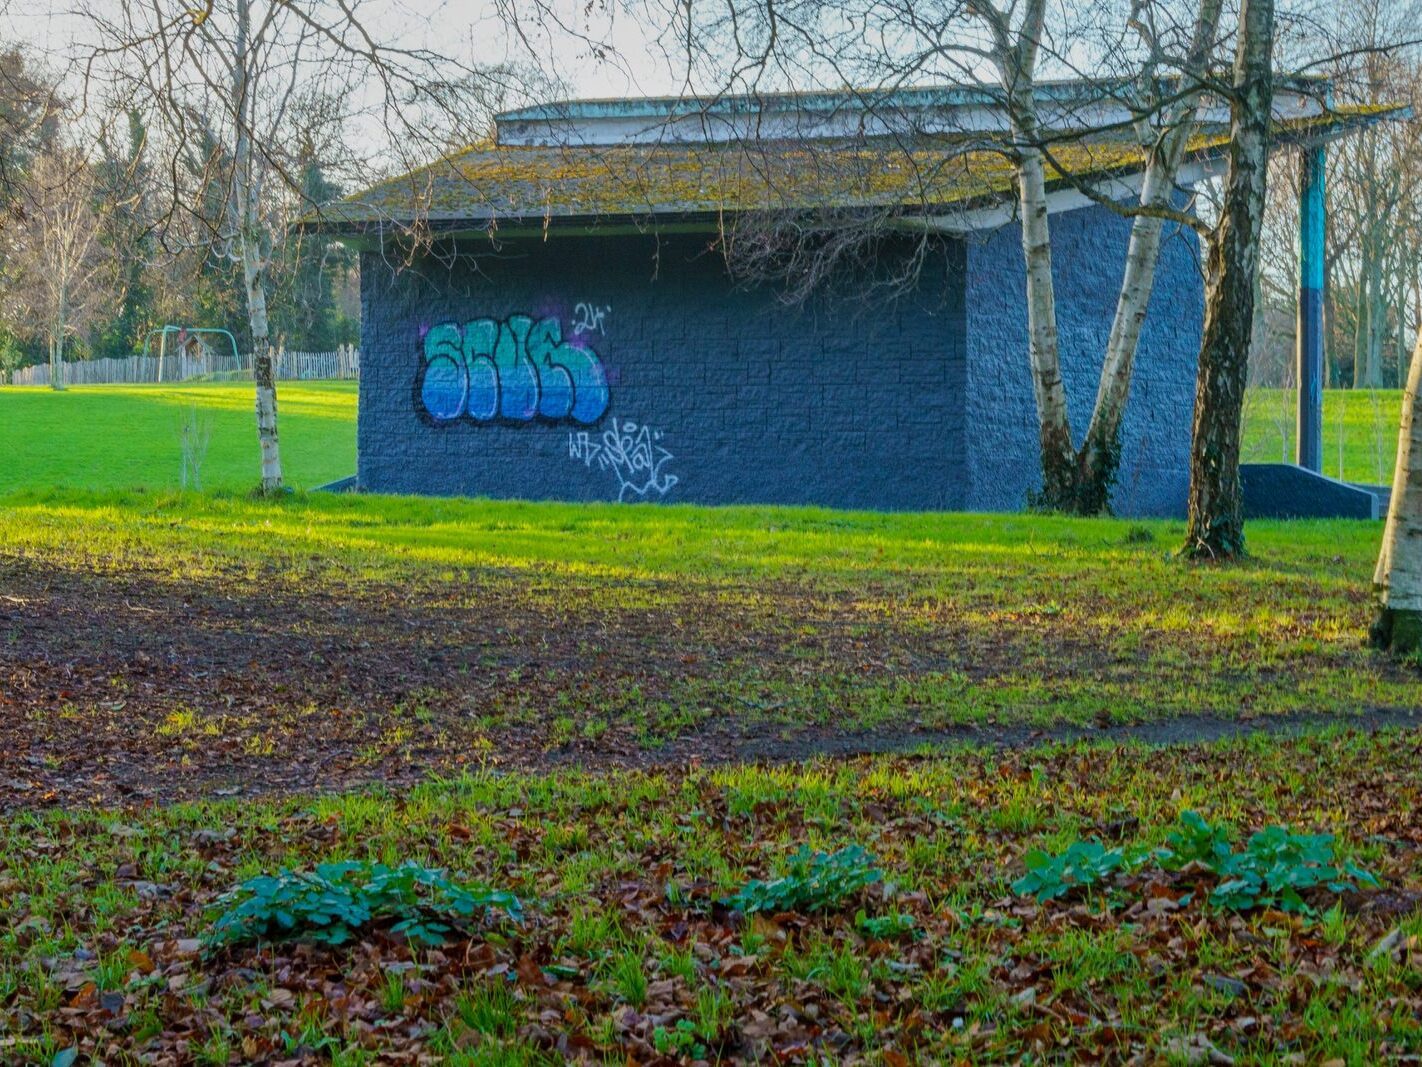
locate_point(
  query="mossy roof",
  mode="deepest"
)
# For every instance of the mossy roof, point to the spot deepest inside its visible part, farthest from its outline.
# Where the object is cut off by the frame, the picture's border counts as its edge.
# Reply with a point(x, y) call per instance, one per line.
point(492, 184)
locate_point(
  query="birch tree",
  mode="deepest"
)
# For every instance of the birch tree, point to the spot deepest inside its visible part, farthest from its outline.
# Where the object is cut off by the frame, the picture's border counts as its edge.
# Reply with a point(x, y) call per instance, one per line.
point(1100, 453)
point(233, 89)
point(1397, 581)
point(1215, 521)
point(1158, 69)
point(1014, 55)
point(1076, 479)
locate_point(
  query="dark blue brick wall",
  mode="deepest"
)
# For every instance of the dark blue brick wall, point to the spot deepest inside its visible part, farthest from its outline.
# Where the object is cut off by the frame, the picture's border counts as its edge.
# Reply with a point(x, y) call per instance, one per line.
point(1088, 252)
point(743, 399)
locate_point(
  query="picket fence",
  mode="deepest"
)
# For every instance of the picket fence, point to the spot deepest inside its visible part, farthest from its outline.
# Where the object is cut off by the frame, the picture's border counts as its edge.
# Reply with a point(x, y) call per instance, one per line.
point(344, 362)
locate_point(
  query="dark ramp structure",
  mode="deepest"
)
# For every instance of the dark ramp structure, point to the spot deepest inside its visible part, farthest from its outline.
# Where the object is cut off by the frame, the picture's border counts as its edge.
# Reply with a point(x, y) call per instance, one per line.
point(571, 330)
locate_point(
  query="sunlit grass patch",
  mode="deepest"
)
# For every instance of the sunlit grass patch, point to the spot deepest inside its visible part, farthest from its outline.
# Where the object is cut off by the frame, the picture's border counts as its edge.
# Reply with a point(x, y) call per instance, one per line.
point(127, 436)
point(565, 632)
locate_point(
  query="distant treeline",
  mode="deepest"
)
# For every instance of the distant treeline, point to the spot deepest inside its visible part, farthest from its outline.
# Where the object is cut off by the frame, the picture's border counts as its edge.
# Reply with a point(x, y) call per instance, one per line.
point(83, 272)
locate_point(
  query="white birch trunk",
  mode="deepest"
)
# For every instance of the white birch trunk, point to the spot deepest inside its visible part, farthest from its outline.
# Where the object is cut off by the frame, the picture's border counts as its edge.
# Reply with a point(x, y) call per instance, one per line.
point(1397, 582)
point(61, 324)
point(1044, 349)
point(1101, 443)
point(246, 224)
point(263, 372)
point(1015, 56)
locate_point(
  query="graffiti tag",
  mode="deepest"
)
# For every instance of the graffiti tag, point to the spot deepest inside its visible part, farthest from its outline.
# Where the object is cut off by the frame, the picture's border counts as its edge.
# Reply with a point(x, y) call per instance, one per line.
point(517, 370)
point(632, 454)
point(589, 318)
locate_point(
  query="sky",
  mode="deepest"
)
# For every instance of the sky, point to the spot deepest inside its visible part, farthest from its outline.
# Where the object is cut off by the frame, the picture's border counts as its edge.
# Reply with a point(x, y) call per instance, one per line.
point(472, 28)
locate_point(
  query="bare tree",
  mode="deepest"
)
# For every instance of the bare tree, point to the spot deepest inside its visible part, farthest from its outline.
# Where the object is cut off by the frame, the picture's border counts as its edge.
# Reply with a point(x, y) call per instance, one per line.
point(1099, 457)
point(235, 88)
point(1372, 177)
point(62, 273)
point(1080, 480)
point(1151, 66)
point(1215, 522)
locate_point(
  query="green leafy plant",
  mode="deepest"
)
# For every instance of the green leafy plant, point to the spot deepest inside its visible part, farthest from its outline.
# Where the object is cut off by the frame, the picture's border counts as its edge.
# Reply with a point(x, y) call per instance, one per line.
point(1084, 863)
point(886, 927)
point(681, 1038)
point(332, 902)
point(813, 881)
point(1274, 869)
point(1194, 841)
point(1278, 865)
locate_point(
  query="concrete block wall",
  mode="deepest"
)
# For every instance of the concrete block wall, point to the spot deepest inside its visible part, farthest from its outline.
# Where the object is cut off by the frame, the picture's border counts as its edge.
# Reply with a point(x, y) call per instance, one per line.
point(1088, 253)
point(702, 391)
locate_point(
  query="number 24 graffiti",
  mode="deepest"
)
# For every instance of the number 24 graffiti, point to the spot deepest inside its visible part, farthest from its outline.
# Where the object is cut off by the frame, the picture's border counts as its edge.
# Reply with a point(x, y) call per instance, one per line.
point(589, 317)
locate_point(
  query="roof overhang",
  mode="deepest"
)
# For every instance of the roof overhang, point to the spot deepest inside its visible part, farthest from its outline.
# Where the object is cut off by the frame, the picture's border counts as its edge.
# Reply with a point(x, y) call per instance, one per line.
point(1074, 105)
point(517, 191)
point(1068, 195)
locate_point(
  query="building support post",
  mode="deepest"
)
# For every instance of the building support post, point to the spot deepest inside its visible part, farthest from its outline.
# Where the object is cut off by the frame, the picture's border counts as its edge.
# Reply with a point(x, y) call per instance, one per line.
point(1312, 206)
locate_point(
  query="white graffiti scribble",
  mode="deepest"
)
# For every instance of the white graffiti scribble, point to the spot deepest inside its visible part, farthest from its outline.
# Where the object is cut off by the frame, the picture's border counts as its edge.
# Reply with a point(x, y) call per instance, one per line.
point(631, 452)
point(589, 318)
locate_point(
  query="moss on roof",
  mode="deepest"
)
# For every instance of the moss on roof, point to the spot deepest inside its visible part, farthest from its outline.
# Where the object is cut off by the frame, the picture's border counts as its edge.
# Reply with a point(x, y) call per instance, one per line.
point(500, 183)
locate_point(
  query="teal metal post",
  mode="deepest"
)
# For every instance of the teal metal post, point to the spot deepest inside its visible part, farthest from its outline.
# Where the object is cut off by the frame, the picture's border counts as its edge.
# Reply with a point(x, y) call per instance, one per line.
point(1312, 208)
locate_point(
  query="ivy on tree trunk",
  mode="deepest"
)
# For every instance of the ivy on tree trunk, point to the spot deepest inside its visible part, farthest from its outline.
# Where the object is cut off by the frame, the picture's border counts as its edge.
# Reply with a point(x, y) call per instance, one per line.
point(1215, 527)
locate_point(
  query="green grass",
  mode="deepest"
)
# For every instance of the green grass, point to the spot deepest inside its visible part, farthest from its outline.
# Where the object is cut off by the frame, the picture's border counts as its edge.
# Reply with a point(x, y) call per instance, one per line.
point(623, 948)
point(598, 628)
point(1364, 422)
point(126, 436)
point(524, 628)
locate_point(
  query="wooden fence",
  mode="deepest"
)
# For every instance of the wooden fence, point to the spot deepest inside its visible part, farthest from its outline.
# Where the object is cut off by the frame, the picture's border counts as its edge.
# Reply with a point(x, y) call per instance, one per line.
point(344, 362)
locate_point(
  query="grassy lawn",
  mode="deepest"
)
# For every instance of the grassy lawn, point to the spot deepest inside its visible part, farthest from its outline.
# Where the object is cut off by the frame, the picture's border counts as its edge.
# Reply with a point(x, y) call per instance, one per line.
point(127, 436)
point(626, 950)
point(367, 637)
point(617, 714)
point(1363, 421)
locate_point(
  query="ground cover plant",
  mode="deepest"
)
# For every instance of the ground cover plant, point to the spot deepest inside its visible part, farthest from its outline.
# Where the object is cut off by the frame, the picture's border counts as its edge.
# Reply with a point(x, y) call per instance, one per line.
point(130, 436)
point(1275, 869)
point(629, 946)
point(335, 902)
point(165, 645)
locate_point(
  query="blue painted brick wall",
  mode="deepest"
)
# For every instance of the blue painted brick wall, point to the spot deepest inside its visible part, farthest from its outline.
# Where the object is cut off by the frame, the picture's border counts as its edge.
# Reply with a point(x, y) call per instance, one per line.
point(1088, 253)
point(744, 399)
point(925, 402)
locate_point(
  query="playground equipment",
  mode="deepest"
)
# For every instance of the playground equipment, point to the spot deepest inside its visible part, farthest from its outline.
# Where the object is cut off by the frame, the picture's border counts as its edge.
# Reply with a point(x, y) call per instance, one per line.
point(183, 336)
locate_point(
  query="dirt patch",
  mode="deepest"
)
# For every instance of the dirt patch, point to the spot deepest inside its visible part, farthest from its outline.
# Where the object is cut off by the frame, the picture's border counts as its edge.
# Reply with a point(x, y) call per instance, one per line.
point(141, 685)
point(1178, 730)
point(144, 685)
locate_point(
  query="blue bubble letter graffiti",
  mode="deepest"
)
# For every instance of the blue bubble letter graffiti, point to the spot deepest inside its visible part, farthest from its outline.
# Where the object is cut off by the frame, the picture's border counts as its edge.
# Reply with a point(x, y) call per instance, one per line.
point(480, 338)
point(445, 383)
point(516, 370)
